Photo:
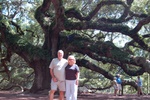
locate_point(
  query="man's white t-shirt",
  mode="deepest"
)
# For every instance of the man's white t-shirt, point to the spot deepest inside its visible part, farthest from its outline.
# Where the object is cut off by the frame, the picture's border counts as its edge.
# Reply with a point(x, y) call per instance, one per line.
point(58, 67)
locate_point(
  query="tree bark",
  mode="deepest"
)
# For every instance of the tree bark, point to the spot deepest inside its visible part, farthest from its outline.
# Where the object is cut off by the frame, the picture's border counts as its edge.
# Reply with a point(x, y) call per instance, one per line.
point(42, 77)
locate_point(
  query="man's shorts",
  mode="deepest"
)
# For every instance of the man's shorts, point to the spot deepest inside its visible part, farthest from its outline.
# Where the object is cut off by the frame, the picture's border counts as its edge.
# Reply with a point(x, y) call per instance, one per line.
point(119, 87)
point(59, 84)
point(139, 88)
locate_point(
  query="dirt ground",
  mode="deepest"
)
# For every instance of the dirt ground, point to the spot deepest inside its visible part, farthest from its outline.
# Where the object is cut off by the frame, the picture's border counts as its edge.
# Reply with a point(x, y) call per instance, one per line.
point(9, 95)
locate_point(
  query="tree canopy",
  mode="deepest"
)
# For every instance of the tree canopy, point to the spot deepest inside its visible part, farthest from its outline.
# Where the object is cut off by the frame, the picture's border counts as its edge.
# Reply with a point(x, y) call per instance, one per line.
point(98, 32)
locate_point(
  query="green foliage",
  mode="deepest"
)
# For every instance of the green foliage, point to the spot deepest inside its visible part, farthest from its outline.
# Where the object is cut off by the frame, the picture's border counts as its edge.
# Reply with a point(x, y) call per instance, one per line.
point(20, 74)
point(116, 52)
point(24, 45)
point(35, 33)
point(38, 52)
point(92, 79)
point(141, 6)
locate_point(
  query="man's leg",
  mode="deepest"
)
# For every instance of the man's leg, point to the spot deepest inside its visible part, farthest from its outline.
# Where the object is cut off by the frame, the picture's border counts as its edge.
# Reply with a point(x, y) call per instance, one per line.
point(62, 89)
point(61, 95)
point(53, 89)
point(119, 92)
point(120, 89)
point(51, 95)
point(141, 92)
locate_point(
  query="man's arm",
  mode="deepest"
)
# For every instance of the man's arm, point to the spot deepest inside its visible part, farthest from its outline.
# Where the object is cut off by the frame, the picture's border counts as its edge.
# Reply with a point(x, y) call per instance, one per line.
point(52, 75)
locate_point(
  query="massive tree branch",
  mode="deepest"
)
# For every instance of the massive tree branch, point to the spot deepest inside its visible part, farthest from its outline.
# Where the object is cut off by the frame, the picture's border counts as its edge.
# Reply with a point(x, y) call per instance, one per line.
point(109, 28)
point(141, 24)
point(74, 13)
point(93, 67)
point(45, 6)
point(25, 50)
point(100, 51)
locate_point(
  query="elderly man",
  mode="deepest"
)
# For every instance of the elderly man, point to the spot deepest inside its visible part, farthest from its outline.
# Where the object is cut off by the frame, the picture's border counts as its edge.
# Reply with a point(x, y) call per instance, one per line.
point(57, 72)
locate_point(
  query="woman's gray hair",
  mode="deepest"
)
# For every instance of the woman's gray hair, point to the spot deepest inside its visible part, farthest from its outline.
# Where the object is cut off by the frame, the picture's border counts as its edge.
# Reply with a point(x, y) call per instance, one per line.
point(71, 57)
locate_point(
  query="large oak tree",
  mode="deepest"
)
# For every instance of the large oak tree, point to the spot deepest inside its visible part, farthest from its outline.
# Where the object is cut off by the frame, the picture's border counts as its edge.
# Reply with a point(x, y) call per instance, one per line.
point(75, 26)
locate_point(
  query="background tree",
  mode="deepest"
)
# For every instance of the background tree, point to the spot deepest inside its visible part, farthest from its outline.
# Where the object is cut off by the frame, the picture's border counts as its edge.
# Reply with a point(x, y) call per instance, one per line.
point(36, 29)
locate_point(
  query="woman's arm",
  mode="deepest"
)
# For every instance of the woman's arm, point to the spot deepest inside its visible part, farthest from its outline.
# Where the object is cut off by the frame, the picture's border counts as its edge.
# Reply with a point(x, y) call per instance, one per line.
point(77, 78)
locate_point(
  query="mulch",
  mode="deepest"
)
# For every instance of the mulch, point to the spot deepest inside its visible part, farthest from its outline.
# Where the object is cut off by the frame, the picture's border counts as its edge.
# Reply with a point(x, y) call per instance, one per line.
point(10, 95)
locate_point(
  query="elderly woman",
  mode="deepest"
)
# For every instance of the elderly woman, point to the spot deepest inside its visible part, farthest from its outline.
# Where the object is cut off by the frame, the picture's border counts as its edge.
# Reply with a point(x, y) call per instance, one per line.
point(72, 78)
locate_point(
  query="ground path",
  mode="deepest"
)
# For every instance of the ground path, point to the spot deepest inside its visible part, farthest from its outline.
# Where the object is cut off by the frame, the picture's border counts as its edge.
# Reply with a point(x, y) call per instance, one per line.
point(8, 95)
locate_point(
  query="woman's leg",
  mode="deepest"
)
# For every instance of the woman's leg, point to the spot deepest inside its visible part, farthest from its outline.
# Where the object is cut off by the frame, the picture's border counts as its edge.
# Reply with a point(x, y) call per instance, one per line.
point(74, 90)
point(68, 88)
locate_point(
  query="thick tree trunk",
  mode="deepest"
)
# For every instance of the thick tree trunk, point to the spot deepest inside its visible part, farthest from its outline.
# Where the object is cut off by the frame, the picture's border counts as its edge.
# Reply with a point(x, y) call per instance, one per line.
point(46, 77)
point(42, 77)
